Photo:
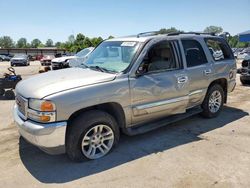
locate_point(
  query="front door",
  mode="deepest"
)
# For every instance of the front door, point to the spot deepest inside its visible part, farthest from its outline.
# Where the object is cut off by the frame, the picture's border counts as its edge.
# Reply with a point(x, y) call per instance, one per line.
point(161, 90)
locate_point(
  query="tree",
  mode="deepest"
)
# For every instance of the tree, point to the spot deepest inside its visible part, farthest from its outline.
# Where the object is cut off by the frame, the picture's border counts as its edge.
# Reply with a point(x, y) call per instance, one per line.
point(58, 44)
point(87, 43)
point(95, 41)
point(232, 41)
point(71, 39)
point(6, 42)
point(213, 29)
point(22, 43)
point(169, 30)
point(111, 37)
point(79, 42)
point(35, 43)
point(49, 43)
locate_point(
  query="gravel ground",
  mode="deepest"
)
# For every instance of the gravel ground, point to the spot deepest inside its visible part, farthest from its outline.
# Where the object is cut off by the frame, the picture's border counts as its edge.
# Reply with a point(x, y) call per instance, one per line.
point(195, 152)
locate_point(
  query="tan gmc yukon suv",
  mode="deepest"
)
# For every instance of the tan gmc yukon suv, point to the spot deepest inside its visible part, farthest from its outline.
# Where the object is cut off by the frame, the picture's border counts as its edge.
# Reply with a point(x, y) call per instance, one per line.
point(131, 85)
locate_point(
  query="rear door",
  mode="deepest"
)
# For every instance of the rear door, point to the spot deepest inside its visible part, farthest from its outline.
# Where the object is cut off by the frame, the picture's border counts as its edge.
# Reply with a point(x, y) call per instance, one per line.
point(199, 70)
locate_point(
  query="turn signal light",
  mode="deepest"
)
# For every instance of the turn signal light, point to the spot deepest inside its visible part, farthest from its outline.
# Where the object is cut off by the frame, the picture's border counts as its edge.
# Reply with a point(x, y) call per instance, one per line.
point(47, 106)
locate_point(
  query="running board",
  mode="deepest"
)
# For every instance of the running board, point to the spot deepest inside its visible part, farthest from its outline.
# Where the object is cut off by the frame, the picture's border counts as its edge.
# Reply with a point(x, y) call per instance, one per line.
point(146, 127)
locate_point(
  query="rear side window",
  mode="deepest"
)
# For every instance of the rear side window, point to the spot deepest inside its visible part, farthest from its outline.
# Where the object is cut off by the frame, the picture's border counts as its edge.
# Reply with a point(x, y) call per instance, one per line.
point(194, 53)
point(219, 49)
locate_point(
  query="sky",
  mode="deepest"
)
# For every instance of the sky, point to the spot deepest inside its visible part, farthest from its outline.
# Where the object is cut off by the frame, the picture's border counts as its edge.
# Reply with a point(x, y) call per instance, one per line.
point(57, 19)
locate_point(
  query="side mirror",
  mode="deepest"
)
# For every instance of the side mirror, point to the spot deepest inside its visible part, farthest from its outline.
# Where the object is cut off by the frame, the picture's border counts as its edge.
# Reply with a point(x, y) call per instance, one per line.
point(143, 67)
point(140, 71)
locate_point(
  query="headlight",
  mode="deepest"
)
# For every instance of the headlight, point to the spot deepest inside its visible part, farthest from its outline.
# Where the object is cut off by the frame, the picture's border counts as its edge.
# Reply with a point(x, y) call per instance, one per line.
point(42, 110)
point(42, 105)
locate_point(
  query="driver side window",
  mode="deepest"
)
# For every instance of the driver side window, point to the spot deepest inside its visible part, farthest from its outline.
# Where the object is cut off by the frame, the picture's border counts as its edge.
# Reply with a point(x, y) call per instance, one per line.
point(160, 57)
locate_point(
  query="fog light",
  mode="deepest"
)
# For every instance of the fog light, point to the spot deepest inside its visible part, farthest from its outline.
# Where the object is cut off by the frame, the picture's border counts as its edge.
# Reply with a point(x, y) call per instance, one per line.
point(44, 118)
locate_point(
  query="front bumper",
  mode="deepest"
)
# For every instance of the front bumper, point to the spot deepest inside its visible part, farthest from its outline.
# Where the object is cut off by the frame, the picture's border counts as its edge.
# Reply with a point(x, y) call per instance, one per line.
point(48, 137)
point(19, 63)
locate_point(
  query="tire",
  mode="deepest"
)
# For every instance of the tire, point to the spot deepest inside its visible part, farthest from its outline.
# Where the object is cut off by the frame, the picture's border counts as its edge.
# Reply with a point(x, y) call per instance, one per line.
point(83, 127)
point(2, 91)
point(9, 95)
point(244, 82)
point(207, 106)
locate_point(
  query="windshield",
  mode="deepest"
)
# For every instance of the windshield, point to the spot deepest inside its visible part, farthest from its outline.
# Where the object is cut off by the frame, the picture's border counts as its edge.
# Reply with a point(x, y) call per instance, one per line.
point(20, 56)
point(83, 52)
point(113, 56)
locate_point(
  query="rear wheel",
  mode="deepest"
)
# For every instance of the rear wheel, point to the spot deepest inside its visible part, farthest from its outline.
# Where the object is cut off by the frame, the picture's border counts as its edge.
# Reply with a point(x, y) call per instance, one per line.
point(91, 135)
point(213, 101)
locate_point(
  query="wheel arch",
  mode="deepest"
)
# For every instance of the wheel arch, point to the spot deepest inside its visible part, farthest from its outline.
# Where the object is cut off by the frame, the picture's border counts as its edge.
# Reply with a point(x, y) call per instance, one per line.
point(223, 83)
point(113, 108)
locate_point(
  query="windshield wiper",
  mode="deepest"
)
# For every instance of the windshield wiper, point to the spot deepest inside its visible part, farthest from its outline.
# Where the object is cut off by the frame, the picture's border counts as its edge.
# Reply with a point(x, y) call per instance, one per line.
point(85, 65)
point(101, 69)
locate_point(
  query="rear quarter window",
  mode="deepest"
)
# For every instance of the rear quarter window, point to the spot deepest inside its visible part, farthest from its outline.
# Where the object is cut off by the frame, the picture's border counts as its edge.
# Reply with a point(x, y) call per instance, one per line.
point(219, 49)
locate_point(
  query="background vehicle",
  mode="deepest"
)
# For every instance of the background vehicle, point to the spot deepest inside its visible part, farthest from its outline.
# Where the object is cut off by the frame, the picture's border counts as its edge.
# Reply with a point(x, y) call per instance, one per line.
point(63, 62)
point(245, 72)
point(4, 58)
point(237, 51)
point(8, 55)
point(244, 54)
point(20, 59)
point(133, 85)
point(9, 81)
point(38, 57)
point(46, 60)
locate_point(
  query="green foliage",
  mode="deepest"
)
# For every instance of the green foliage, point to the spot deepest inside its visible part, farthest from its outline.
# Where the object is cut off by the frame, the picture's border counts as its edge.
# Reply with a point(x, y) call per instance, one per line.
point(169, 30)
point(234, 42)
point(49, 43)
point(75, 44)
point(35, 43)
point(22, 43)
point(80, 41)
point(6, 42)
point(213, 29)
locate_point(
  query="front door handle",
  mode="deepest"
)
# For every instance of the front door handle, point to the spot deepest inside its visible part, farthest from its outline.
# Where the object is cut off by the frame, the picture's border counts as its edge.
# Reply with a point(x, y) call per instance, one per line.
point(182, 79)
point(208, 71)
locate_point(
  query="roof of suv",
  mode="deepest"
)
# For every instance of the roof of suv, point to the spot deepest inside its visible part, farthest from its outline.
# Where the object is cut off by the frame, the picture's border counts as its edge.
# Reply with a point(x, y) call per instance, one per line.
point(137, 38)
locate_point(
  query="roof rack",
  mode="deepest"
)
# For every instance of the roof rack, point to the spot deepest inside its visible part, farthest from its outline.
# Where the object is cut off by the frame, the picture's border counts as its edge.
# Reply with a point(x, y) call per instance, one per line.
point(149, 33)
point(192, 33)
point(152, 33)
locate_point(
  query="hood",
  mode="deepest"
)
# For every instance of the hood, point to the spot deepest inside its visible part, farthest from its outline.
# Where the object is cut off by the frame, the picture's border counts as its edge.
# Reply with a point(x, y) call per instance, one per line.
point(63, 59)
point(52, 82)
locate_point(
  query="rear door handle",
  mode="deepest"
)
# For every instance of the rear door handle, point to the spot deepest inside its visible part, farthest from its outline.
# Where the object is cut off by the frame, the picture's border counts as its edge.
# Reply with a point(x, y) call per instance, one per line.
point(182, 79)
point(208, 71)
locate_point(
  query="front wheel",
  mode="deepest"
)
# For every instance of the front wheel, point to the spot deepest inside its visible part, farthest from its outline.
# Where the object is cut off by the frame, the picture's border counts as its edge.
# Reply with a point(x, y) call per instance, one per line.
point(10, 95)
point(91, 135)
point(213, 101)
point(2, 91)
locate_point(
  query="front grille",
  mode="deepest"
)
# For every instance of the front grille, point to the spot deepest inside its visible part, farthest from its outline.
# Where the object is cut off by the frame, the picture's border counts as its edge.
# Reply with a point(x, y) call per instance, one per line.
point(22, 104)
point(17, 61)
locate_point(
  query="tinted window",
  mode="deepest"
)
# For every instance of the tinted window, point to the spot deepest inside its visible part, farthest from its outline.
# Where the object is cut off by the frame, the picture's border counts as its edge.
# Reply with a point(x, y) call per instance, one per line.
point(219, 49)
point(194, 53)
